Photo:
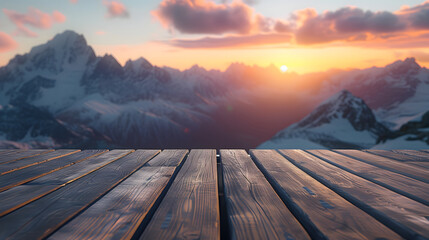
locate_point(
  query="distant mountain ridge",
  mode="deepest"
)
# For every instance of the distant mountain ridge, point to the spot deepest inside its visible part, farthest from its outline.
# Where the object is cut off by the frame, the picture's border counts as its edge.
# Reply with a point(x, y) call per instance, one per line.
point(96, 102)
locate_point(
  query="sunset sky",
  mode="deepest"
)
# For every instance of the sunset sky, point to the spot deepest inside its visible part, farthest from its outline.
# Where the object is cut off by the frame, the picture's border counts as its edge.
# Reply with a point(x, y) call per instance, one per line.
point(305, 35)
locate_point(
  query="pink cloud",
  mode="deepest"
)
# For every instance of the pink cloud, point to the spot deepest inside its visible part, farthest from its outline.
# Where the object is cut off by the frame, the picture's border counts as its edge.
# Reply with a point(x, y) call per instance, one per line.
point(306, 27)
point(33, 18)
point(116, 9)
point(345, 24)
point(206, 17)
point(58, 17)
point(7, 43)
point(100, 33)
point(73, 1)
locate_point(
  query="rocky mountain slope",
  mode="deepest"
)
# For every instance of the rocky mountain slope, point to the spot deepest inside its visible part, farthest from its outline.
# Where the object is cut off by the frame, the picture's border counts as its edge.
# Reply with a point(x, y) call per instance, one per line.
point(342, 121)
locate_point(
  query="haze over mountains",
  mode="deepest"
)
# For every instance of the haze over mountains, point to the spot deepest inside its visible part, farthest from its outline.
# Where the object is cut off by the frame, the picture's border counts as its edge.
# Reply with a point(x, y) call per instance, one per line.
point(61, 94)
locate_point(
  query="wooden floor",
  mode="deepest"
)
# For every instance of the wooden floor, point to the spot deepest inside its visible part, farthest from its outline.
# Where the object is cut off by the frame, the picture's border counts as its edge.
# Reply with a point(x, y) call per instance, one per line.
point(209, 194)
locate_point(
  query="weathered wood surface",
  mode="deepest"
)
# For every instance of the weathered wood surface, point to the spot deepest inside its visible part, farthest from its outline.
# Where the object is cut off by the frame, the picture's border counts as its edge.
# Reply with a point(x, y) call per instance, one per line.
point(396, 182)
point(119, 213)
point(17, 197)
point(269, 194)
point(386, 206)
point(423, 155)
point(254, 209)
point(19, 177)
point(334, 217)
point(27, 162)
point(15, 155)
point(42, 217)
point(386, 163)
point(398, 155)
point(190, 209)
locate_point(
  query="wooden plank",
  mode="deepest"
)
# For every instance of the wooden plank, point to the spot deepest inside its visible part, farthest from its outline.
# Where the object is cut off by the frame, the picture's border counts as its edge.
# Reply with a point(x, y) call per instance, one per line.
point(396, 155)
point(119, 213)
point(27, 162)
point(401, 184)
point(190, 209)
point(386, 163)
point(335, 217)
point(22, 176)
point(424, 165)
point(19, 196)
point(42, 217)
point(406, 217)
point(7, 151)
point(421, 154)
point(168, 158)
point(254, 209)
point(18, 155)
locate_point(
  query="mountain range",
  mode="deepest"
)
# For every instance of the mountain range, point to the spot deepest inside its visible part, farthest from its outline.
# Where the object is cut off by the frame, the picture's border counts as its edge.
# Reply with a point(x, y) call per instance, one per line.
point(61, 94)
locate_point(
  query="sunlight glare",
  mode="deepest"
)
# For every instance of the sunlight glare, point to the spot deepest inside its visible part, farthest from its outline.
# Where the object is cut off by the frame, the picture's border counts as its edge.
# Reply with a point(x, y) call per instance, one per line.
point(283, 68)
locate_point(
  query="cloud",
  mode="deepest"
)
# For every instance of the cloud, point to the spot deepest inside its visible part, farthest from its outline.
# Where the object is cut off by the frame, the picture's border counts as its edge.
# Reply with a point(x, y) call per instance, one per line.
point(349, 25)
point(100, 33)
point(116, 9)
point(7, 43)
point(232, 41)
point(418, 15)
point(206, 17)
point(33, 18)
point(73, 1)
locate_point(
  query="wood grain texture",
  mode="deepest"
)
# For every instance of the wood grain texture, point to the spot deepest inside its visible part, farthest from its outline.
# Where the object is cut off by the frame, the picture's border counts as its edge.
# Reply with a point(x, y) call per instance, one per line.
point(28, 162)
point(423, 165)
point(42, 217)
point(22, 176)
point(421, 154)
point(397, 155)
point(401, 184)
point(11, 156)
point(118, 214)
point(403, 215)
point(386, 163)
point(168, 158)
point(334, 216)
point(19, 196)
point(255, 211)
point(190, 209)
point(10, 150)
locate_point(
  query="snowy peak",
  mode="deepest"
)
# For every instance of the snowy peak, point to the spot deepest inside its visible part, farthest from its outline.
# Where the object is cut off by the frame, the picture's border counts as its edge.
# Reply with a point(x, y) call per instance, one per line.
point(342, 105)
point(403, 67)
point(65, 50)
point(342, 121)
point(138, 65)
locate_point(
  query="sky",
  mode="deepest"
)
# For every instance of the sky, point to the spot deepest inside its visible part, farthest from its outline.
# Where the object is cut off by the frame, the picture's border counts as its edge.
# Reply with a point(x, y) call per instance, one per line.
point(306, 35)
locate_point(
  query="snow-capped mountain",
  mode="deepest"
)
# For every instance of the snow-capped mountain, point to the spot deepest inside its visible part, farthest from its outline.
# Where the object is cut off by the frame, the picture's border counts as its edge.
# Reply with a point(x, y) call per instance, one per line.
point(397, 93)
point(342, 121)
point(135, 105)
point(412, 135)
point(95, 101)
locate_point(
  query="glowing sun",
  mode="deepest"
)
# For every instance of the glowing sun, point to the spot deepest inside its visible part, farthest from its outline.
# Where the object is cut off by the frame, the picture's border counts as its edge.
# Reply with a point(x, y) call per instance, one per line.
point(284, 68)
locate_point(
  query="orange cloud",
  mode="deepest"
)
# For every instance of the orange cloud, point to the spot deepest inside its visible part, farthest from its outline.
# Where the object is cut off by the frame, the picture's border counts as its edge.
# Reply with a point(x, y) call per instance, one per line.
point(116, 9)
point(34, 18)
point(7, 43)
point(233, 41)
